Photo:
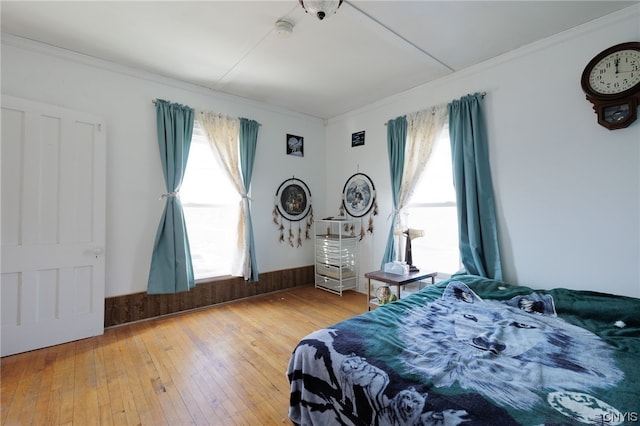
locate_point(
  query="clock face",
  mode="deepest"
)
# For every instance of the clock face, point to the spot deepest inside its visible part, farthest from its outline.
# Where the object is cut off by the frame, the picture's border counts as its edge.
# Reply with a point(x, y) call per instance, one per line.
point(616, 72)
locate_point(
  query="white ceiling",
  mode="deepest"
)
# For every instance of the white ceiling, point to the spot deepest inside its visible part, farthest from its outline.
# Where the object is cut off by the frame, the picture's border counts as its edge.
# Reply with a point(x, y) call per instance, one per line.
point(366, 51)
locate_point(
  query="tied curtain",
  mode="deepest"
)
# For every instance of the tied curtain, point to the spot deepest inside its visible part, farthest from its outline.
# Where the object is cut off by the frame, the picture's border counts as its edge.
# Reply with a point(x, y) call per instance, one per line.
point(396, 143)
point(410, 141)
point(233, 142)
point(171, 269)
point(479, 249)
point(248, 142)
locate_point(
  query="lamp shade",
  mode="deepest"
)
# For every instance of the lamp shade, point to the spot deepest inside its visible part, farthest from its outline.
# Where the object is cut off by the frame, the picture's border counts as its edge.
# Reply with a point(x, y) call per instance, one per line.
point(320, 8)
point(414, 233)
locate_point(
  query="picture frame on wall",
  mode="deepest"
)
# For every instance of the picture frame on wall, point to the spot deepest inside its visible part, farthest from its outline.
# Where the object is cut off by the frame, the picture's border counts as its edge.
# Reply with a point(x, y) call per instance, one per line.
point(295, 145)
point(357, 138)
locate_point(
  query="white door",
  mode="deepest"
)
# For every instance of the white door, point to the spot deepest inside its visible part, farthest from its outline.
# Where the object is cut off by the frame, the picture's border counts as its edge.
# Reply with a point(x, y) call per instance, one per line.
point(53, 225)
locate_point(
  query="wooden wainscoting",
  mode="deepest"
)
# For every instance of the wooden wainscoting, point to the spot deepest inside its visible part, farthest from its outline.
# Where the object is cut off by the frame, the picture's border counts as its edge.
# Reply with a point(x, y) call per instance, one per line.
point(139, 306)
point(222, 365)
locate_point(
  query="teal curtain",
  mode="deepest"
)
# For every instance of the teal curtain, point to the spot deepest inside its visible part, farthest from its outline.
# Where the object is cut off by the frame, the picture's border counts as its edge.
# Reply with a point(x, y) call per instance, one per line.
point(248, 143)
point(171, 268)
point(479, 248)
point(396, 143)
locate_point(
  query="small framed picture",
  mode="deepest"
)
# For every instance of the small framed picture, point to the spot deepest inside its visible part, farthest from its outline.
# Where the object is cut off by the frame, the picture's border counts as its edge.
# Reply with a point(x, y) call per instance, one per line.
point(295, 145)
point(357, 139)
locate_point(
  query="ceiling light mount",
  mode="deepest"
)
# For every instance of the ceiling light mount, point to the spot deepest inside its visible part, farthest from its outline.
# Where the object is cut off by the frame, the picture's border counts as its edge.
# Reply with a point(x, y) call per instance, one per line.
point(284, 29)
point(320, 8)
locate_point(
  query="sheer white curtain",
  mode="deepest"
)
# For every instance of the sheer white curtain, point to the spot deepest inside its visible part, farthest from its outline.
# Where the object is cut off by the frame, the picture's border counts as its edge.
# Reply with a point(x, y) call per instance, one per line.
point(423, 130)
point(222, 133)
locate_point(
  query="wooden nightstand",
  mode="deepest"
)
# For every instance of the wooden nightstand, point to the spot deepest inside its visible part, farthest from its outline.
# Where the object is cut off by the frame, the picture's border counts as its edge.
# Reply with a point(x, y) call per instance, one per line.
point(396, 280)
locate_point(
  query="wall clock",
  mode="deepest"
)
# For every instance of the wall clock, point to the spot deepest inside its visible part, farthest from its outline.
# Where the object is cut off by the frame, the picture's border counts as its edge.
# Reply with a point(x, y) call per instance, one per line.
point(611, 81)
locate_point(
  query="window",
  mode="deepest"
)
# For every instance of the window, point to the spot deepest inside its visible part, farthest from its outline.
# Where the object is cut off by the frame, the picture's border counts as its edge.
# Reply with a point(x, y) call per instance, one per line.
point(432, 208)
point(211, 209)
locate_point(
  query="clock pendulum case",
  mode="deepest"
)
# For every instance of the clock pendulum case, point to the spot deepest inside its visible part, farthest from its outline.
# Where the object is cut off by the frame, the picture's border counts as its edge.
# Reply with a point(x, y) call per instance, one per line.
point(611, 82)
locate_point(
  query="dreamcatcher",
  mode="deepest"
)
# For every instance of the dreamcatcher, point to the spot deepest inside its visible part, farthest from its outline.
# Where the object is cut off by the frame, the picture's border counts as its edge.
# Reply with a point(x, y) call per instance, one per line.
point(293, 204)
point(358, 199)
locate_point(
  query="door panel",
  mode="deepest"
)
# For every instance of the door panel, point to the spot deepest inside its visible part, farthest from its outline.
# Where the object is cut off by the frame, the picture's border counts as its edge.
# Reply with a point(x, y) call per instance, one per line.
point(53, 224)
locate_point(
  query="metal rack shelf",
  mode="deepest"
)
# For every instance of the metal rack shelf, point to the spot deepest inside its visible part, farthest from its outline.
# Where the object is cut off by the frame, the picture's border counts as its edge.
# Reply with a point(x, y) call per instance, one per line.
point(335, 256)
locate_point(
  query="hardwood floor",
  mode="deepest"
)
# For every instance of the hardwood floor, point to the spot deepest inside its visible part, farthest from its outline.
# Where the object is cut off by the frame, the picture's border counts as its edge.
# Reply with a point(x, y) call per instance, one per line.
point(223, 365)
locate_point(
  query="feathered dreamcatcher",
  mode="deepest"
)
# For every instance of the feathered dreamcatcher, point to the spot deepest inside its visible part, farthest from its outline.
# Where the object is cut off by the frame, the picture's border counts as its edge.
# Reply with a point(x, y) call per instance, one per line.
point(293, 204)
point(358, 200)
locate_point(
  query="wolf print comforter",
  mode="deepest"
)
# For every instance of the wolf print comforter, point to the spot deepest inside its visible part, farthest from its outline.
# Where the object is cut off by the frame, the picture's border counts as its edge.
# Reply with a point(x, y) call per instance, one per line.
point(474, 351)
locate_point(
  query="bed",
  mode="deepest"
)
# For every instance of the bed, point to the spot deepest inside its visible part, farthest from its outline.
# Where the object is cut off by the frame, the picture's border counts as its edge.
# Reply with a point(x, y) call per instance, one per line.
point(470, 351)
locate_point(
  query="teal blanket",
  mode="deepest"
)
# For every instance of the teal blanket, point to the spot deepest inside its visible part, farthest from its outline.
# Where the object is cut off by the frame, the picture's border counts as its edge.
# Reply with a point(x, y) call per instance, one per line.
point(474, 351)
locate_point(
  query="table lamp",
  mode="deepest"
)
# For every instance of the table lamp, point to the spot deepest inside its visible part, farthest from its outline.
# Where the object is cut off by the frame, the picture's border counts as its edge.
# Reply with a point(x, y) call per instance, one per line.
point(408, 257)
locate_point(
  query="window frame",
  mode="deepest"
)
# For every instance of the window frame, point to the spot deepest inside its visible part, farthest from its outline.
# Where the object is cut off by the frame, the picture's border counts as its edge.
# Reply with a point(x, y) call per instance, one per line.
point(413, 207)
point(229, 209)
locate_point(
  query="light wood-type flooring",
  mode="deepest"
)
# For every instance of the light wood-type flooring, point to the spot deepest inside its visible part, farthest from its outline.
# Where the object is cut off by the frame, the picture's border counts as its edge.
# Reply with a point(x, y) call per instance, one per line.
point(222, 365)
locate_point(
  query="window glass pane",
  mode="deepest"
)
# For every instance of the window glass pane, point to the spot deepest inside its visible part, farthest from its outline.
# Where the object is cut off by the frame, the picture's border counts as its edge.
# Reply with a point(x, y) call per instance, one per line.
point(211, 210)
point(433, 209)
point(436, 183)
point(205, 182)
point(438, 249)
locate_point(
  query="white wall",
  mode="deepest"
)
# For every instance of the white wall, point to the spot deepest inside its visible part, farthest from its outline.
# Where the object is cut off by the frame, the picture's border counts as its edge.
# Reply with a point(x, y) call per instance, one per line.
point(134, 175)
point(567, 189)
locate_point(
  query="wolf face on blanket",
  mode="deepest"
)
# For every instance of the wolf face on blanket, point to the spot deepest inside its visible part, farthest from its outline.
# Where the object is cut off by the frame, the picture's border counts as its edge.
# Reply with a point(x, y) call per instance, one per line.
point(513, 353)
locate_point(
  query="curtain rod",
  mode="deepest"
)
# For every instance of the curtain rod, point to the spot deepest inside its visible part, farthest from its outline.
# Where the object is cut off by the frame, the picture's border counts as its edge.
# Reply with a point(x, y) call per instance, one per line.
point(483, 94)
point(154, 102)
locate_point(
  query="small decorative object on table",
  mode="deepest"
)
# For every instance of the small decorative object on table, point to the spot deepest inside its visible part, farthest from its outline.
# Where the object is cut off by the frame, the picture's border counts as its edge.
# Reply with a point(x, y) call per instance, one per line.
point(396, 280)
point(384, 295)
point(397, 268)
